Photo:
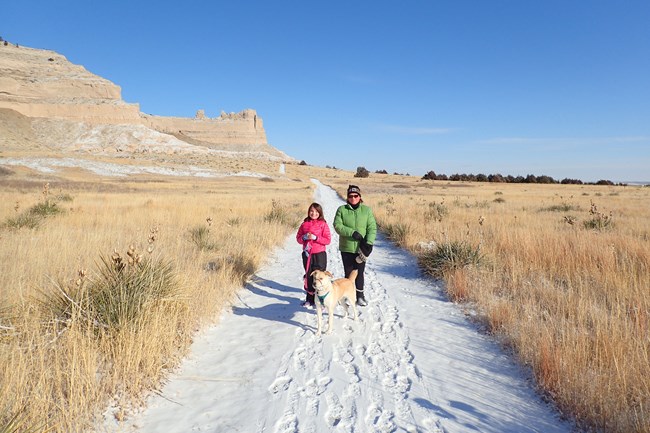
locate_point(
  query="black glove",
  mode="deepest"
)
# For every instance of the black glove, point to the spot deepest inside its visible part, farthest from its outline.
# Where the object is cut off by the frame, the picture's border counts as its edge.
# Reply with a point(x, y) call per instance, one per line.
point(357, 236)
point(365, 248)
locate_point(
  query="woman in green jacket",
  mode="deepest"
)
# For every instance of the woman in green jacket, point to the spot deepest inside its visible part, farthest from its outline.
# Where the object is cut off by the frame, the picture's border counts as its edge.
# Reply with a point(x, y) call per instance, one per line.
point(357, 229)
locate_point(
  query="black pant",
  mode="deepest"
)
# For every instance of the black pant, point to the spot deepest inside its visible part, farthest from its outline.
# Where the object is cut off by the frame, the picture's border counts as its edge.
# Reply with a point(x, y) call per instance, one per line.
point(349, 263)
point(318, 262)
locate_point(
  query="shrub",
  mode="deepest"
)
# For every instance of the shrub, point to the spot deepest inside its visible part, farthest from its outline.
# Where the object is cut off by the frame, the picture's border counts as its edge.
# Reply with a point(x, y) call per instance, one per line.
point(19, 422)
point(449, 257)
point(499, 200)
point(235, 221)
point(33, 216)
point(123, 292)
point(362, 172)
point(599, 220)
point(45, 209)
point(120, 295)
point(200, 237)
point(563, 207)
point(63, 197)
point(243, 266)
point(23, 220)
point(436, 211)
point(278, 214)
point(431, 175)
point(397, 232)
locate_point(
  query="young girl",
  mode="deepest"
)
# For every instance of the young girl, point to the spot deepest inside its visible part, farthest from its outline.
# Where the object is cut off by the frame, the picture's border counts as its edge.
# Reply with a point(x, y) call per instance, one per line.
point(314, 235)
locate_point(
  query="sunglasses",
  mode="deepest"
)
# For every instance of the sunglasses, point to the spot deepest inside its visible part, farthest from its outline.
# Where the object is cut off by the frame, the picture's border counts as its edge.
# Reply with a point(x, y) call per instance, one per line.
point(353, 196)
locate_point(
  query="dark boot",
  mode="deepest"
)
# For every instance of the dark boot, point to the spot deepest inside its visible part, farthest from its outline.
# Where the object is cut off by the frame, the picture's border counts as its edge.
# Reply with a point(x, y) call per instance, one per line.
point(361, 299)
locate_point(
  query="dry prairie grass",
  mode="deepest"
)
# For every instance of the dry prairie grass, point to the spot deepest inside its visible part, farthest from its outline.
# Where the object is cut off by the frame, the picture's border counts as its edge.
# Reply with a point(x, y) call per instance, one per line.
point(62, 361)
point(569, 296)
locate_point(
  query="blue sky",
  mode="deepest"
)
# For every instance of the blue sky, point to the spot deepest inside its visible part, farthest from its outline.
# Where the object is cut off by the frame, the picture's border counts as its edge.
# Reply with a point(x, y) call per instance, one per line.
point(518, 87)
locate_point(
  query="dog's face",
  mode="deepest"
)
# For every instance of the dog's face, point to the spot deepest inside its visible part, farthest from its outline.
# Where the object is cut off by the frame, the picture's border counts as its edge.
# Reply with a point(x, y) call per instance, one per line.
point(322, 280)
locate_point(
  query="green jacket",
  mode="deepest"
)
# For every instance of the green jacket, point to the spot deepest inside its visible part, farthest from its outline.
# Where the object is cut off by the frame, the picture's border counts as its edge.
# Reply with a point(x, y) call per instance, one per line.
point(348, 220)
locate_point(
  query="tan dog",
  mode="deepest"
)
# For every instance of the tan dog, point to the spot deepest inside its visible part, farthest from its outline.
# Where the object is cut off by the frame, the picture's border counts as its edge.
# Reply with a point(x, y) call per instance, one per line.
point(329, 293)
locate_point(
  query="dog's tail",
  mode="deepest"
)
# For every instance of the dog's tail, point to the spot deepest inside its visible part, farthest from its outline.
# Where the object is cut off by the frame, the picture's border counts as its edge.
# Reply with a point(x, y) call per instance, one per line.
point(353, 275)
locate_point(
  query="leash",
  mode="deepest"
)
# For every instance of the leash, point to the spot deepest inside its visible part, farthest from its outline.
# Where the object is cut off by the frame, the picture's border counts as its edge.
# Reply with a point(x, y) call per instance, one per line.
point(307, 269)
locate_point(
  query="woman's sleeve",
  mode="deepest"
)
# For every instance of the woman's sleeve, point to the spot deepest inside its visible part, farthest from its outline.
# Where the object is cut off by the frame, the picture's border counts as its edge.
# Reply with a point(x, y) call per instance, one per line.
point(371, 228)
point(340, 228)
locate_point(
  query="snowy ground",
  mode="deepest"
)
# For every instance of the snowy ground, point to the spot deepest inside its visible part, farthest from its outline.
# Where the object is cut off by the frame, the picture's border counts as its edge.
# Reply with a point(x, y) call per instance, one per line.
point(412, 363)
point(52, 165)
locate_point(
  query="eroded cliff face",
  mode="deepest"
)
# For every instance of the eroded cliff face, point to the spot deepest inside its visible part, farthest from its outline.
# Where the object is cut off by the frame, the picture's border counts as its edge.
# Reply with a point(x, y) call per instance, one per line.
point(66, 104)
point(42, 83)
point(223, 132)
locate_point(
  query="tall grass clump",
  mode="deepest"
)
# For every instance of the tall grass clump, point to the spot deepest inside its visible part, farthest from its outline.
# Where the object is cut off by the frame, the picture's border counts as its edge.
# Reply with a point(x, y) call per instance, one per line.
point(562, 207)
point(34, 216)
point(598, 220)
point(397, 232)
point(19, 423)
point(123, 292)
point(436, 211)
point(201, 237)
point(450, 256)
point(278, 214)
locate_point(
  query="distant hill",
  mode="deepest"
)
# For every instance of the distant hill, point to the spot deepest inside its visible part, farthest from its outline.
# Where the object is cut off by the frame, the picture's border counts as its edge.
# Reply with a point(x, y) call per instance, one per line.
point(46, 102)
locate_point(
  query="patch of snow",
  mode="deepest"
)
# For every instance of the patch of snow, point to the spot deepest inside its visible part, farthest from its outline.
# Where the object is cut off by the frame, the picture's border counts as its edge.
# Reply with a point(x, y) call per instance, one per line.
point(50, 165)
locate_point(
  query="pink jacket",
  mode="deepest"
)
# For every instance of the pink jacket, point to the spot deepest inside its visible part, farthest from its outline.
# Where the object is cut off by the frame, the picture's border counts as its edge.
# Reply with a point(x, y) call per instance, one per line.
point(318, 228)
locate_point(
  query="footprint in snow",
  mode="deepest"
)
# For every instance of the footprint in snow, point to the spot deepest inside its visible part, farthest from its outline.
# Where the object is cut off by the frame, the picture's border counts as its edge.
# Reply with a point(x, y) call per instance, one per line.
point(280, 384)
point(334, 410)
point(287, 424)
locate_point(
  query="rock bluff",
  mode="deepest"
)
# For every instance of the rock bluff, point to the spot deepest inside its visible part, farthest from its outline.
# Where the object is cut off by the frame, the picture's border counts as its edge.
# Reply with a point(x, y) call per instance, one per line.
point(43, 84)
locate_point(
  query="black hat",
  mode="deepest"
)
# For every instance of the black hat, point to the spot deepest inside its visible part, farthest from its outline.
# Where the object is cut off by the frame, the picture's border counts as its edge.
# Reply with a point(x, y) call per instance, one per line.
point(353, 189)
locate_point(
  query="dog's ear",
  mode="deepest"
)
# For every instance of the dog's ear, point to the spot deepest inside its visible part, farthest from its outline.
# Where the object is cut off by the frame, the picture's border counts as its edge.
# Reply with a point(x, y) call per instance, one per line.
point(329, 273)
point(313, 272)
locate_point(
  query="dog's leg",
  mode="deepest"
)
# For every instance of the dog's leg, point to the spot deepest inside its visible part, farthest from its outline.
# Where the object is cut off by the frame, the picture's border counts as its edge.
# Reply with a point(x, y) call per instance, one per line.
point(344, 303)
point(319, 314)
point(354, 308)
point(330, 317)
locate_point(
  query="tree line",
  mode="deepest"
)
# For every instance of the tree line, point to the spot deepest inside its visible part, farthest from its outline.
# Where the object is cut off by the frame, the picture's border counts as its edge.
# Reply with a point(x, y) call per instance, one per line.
point(531, 178)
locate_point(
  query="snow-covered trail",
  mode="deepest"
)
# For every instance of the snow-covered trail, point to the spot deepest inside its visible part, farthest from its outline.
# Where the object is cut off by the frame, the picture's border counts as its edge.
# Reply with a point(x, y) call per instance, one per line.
point(412, 363)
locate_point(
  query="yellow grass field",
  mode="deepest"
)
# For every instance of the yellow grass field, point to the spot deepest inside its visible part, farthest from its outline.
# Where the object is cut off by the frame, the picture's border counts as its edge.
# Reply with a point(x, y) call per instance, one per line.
point(62, 358)
point(558, 273)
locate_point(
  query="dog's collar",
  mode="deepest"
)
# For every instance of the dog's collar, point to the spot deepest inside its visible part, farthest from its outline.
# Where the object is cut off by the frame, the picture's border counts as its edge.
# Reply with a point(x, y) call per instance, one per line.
point(322, 298)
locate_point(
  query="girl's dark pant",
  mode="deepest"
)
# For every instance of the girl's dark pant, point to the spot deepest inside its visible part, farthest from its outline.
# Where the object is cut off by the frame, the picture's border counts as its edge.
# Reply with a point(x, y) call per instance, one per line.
point(318, 262)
